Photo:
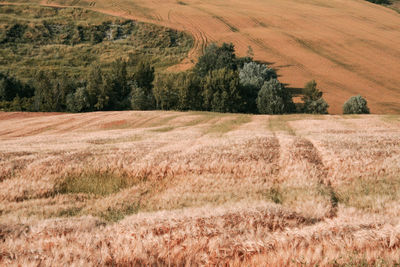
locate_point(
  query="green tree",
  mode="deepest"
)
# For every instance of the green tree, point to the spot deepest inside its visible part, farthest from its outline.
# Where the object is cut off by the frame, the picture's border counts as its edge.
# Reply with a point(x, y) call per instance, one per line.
point(313, 101)
point(189, 92)
point(144, 75)
point(273, 98)
point(216, 57)
point(356, 105)
point(96, 88)
point(165, 92)
point(117, 86)
point(16, 104)
point(78, 101)
point(222, 91)
point(44, 93)
point(141, 98)
point(252, 78)
point(7, 88)
point(10, 87)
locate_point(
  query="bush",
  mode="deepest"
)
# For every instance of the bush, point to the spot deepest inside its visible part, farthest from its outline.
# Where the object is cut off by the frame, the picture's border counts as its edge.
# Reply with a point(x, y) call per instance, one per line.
point(313, 101)
point(255, 75)
point(356, 105)
point(78, 101)
point(273, 98)
point(317, 107)
point(380, 2)
point(216, 57)
point(252, 77)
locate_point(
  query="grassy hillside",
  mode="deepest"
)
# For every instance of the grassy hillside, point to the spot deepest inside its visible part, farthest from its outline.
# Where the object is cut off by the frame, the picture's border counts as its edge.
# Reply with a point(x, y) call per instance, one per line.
point(120, 188)
point(348, 47)
point(69, 40)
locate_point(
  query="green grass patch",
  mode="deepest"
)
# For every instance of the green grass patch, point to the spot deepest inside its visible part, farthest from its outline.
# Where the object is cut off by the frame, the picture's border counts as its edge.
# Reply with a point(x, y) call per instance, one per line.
point(69, 212)
point(390, 118)
point(228, 124)
point(129, 139)
point(69, 40)
point(164, 120)
point(204, 117)
point(273, 194)
point(280, 124)
point(96, 183)
point(163, 129)
point(370, 194)
point(113, 214)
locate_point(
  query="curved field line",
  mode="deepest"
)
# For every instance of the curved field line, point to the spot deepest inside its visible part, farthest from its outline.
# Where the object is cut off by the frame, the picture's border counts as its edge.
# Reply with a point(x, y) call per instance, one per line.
point(349, 47)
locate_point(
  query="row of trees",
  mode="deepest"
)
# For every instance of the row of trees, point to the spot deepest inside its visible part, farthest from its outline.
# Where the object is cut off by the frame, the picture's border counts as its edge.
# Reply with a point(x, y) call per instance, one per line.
point(101, 90)
point(64, 33)
point(219, 82)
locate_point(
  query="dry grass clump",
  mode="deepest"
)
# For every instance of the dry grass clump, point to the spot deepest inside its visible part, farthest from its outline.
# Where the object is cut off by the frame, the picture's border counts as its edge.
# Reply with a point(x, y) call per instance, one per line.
point(95, 182)
point(213, 189)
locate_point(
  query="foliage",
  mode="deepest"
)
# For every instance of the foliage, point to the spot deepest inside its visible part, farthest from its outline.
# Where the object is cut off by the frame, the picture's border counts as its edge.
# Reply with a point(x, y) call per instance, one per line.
point(72, 39)
point(273, 98)
point(220, 81)
point(117, 86)
point(78, 101)
point(165, 91)
point(10, 88)
point(252, 77)
point(255, 74)
point(313, 101)
point(356, 105)
point(144, 75)
point(222, 91)
point(141, 98)
point(380, 2)
point(190, 92)
point(218, 57)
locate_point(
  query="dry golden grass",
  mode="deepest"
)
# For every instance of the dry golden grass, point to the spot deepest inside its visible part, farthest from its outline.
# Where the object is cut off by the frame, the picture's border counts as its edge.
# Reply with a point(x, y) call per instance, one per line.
point(349, 46)
point(170, 188)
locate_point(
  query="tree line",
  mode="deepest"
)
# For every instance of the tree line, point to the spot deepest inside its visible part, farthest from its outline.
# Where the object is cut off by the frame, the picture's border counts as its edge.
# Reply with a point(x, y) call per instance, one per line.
point(219, 82)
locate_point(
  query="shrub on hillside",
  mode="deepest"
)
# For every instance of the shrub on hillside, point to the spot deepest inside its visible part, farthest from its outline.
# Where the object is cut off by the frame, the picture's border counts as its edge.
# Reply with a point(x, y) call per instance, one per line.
point(380, 2)
point(273, 98)
point(313, 101)
point(219, 57)
point(356, 105)
point(216, 57)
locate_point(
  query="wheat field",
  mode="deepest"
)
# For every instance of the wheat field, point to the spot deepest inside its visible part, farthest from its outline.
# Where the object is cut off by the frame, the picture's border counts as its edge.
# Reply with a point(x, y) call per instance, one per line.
point(182, 189)
point(349, 47)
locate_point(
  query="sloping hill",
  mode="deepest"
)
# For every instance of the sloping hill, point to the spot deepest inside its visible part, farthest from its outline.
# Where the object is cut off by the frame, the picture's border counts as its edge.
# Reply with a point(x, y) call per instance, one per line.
point(349, 46)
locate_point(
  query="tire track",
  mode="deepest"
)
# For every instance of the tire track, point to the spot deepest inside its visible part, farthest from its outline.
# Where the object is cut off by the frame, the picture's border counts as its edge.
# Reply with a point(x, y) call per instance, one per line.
point(304, 150)
point(200, 38)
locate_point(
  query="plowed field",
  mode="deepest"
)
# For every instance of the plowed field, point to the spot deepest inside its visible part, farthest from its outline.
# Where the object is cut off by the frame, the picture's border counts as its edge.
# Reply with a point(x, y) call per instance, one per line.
point(349, 46)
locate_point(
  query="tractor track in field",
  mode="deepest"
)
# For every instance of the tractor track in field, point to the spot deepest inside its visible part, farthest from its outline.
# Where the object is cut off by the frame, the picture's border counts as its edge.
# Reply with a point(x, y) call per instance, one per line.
point(339, 46)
